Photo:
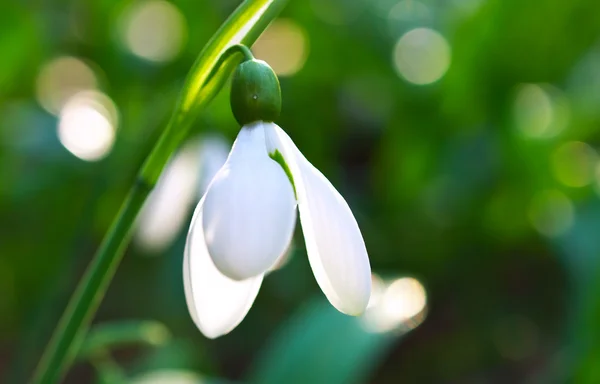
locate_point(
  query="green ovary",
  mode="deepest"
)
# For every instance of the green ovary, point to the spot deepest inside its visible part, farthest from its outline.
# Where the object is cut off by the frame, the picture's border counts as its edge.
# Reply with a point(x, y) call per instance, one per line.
point(278, 157)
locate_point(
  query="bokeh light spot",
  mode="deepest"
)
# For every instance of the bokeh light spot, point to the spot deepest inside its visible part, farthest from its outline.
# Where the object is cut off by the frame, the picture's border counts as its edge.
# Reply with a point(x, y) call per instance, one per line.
point(400, 305)
point(60, 79)
point(154, 30)
point(551, 213)
point(540, 111)
point(404, 298)
point(284, 46)
point(574, 164)
point(377, 290)
point(87, 125)
point(422, 56)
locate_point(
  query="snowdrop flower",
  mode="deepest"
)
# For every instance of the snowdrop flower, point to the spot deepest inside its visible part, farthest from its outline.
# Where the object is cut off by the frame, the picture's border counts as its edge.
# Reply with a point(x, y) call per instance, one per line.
point(245, 221)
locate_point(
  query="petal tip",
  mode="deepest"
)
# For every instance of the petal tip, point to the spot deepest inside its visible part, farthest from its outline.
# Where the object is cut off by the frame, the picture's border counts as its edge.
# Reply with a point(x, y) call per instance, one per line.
point(357, 305)
point(216, 303)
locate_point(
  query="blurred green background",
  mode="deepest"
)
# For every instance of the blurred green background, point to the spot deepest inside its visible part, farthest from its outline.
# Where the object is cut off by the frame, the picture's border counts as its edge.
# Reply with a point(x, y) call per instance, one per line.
point(463, 133)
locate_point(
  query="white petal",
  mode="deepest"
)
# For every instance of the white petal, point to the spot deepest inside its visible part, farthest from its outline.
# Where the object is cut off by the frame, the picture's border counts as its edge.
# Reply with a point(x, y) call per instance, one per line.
point(334, 244)
point(213, 154)
point(250, 210)
point(216, 303)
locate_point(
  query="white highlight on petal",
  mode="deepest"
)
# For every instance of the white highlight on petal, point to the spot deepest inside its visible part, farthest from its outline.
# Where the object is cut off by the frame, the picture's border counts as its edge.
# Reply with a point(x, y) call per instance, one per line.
point(334, 244)
point(216, 303)
point(250, 209)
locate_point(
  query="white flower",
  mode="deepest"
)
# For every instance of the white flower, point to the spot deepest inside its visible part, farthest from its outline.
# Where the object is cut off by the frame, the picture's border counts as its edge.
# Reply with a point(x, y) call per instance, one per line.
point(245, 222)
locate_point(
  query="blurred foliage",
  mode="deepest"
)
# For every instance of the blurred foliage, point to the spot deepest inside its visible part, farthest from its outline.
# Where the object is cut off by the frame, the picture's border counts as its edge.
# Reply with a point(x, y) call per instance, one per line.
point(107, 336)
point(446, 184)
point(320, 345)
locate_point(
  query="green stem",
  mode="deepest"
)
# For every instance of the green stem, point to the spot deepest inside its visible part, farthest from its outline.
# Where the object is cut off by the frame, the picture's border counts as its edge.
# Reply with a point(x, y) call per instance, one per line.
point(109, 372)
point(206, 78)
point(239, 48)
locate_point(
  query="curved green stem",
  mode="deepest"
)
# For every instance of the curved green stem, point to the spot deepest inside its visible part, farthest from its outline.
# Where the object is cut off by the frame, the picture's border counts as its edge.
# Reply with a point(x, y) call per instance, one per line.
point(206, 78)
point(239, 48)
point(226, 56)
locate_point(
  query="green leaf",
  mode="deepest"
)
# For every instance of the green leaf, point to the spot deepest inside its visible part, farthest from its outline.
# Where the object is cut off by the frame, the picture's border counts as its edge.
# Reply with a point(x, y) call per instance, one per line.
point(108, 371)
point(320, 345)
point(109, 336)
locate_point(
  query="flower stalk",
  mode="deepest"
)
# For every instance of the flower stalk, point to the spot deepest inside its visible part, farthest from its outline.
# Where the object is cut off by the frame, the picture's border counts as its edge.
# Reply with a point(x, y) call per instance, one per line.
point(214, 64)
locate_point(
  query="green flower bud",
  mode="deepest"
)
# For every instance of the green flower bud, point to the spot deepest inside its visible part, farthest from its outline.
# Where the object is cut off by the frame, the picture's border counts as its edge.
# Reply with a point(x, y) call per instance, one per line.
point(255, 93)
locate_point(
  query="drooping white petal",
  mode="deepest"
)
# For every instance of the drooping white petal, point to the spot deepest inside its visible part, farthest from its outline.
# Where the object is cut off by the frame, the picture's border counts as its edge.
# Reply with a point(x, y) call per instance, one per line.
point(250, 209)
point(335, 247)
point(216, 303)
